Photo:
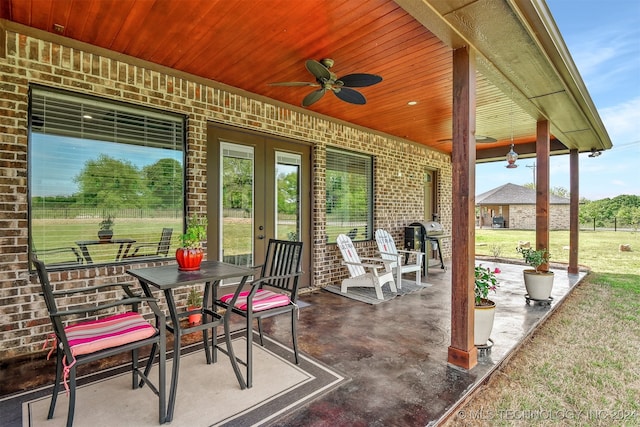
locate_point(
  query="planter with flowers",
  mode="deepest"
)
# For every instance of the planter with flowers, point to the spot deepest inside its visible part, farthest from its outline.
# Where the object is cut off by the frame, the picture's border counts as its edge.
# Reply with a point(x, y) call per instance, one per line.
point(485, 309)
point(538, 282)
point(194, 306)
point(189, 255)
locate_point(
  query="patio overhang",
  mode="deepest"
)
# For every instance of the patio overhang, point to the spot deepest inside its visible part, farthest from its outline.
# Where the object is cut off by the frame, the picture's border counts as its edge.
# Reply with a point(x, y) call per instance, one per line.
point(513, 78)
point(525, 73)
point(520, 50)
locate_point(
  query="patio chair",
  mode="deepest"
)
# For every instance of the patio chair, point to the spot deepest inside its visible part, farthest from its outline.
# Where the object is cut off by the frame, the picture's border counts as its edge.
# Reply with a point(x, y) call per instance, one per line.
point(376, 276)
point(388, 251)
point(352, 233)
point(86, 341)
point(274, 291)
point(67, 256)
point(161, 248)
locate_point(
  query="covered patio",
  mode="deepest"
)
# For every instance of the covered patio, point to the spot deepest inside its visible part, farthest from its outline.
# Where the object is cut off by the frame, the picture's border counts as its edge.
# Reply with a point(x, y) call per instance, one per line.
point(393, 355)
point(462, 82)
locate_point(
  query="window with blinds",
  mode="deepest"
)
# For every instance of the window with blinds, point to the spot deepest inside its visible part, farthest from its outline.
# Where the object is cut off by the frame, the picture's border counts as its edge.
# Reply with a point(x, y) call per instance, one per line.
point(106, 180)
point(349, 202)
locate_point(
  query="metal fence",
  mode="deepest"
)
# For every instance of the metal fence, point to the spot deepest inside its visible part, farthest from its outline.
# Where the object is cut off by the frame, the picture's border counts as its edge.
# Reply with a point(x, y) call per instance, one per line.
point(93, 213)
point(614, 224)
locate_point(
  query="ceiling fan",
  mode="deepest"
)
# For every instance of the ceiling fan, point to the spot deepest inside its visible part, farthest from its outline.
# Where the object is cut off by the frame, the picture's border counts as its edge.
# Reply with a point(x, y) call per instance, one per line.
point(327, 80)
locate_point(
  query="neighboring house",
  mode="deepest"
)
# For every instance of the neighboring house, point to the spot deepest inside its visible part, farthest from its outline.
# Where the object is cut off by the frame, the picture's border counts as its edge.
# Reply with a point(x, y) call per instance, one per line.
point(514, 206)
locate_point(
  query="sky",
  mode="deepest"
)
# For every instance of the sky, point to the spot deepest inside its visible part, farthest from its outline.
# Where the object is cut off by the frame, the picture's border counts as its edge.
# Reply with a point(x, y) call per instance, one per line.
point(603, 37)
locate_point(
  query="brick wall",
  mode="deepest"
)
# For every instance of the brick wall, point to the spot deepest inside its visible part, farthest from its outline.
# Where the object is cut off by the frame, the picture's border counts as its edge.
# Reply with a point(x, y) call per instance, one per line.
point(25, 59)
point(523, 217)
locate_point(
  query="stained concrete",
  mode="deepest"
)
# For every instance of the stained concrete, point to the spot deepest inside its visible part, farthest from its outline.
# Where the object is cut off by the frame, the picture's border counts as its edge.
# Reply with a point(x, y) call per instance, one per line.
point(395, 353)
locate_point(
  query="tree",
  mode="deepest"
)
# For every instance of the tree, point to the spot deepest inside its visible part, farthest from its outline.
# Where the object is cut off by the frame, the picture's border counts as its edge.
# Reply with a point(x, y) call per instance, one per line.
point(109, 184)
point(556, 191)
point(629, 216)
point(163, 180)
point(604, 211)
point(237, 178)
point(560, 192)
point(288, 193)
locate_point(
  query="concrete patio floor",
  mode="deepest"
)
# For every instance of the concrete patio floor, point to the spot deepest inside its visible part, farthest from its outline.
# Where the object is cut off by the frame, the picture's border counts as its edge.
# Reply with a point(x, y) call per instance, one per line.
point(394, 353)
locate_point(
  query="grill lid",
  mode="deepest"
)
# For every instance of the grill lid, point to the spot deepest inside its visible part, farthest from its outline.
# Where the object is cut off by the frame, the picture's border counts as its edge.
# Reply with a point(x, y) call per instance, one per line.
point(431, 228)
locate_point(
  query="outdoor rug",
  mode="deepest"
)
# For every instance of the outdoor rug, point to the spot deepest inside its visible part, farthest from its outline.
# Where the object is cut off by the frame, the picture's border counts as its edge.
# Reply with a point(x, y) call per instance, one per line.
point(208, 395)
point(368, 295)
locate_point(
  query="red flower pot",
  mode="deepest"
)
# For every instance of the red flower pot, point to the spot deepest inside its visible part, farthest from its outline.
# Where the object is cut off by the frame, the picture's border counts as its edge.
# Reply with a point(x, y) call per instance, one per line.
point(196, 318)
point(189, 259)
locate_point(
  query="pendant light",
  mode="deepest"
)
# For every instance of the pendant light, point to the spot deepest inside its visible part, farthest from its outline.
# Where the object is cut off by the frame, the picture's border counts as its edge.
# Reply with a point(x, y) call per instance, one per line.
point(512, 156)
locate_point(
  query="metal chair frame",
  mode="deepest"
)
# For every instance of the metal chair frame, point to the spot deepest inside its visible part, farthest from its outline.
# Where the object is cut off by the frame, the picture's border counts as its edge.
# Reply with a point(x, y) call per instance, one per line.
point(73, 253)
point(280, 272)
point(162, 247)
point(63, 351)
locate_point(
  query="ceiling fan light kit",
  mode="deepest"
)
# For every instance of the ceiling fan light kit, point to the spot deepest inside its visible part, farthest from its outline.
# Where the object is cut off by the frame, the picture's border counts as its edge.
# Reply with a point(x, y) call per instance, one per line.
point(327, 80)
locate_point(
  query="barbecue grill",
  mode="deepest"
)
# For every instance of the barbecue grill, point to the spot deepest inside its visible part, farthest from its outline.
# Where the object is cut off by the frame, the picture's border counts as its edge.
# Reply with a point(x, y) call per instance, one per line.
point(418, 234)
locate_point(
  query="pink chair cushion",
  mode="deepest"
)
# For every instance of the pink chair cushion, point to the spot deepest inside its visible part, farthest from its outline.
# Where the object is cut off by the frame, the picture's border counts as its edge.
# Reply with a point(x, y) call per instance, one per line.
point(262, 300)
point(88, 337)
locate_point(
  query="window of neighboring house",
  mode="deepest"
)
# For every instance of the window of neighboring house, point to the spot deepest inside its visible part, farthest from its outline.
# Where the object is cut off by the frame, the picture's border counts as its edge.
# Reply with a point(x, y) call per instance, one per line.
point(349, 202)
point(100, 166)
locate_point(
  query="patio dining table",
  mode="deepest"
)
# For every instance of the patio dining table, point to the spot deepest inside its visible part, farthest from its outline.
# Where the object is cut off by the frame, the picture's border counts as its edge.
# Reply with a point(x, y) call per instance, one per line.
point(168, 278)
point(125, 245)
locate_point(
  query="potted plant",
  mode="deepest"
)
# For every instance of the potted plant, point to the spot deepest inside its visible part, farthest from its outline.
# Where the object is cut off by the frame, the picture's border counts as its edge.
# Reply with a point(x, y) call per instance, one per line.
point(194, 303)
point(485, 309)
point(189, 254)
point(106, 228)
point(538, 282)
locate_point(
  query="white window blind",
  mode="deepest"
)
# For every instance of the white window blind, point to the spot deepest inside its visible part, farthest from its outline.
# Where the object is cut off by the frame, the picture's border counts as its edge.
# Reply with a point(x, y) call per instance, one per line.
point(91, 159)
point(349, 198)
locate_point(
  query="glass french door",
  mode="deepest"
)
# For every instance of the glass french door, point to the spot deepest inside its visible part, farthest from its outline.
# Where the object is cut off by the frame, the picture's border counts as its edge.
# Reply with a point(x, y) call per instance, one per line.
point(255, 192)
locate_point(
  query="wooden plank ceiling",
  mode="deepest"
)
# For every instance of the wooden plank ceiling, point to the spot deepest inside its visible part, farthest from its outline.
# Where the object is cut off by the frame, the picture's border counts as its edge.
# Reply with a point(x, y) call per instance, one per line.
point(249, 44)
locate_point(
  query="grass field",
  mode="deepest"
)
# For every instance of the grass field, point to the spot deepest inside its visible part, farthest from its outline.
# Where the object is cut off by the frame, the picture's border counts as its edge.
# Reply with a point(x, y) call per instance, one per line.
point(581, 366)
point(597, 249)
point(238, 236)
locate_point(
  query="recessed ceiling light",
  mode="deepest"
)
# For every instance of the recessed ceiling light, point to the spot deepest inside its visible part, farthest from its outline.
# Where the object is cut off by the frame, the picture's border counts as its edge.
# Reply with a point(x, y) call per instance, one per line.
point(481, 139)
point(412, 103)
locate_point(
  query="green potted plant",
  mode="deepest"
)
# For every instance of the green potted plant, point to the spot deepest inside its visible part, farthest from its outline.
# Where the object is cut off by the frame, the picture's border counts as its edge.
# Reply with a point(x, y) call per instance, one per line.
point(485, 309)
point(190, 253)
point(106, 228)
point(194, 304)
point(538, 282)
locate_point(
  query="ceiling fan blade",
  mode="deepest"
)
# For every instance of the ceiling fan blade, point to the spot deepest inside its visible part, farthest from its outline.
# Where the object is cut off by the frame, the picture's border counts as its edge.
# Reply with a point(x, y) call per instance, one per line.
point(313, 97)
point(294, 84)
point(350, 95)
point(318, 70)
point(360, 80)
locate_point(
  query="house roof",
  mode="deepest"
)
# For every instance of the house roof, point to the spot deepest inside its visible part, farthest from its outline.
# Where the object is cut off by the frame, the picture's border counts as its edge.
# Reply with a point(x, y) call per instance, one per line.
point(525, 72)
point(512, 194)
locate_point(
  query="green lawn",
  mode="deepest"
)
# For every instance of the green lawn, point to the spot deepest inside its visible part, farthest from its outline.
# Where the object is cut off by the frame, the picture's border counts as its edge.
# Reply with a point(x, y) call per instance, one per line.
point(580, 366)
point(579, 369)
point(64, 233)
point(597, 249)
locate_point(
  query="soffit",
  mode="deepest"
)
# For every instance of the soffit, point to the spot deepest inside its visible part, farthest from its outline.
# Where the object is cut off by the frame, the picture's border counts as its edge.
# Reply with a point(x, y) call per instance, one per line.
point(247, 45)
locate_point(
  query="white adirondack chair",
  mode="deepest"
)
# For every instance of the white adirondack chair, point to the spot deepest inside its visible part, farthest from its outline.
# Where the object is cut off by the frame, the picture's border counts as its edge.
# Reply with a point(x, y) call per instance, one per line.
point(376, 276)
point(389, 252)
